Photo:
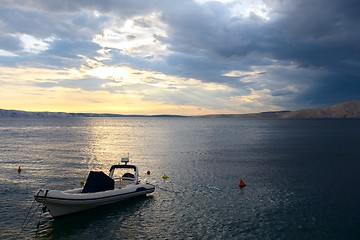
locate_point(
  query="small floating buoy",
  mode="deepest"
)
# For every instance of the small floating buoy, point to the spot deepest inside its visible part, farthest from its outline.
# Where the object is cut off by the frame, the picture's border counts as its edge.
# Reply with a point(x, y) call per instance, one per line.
point(165, 177)
point(82, 182)
point(242, 183)
point(148, 172)
point(19, 169)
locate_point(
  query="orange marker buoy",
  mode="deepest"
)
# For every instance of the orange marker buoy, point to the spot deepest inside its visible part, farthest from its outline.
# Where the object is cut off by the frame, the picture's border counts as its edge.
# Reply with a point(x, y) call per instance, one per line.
point(148, 172)
point(242, 183)
point(19, 169)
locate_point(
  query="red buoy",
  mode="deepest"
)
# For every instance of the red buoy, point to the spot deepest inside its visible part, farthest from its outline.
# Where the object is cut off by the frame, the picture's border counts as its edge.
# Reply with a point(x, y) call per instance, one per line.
point(19, 169)
point(242, 183)
point(148, 172)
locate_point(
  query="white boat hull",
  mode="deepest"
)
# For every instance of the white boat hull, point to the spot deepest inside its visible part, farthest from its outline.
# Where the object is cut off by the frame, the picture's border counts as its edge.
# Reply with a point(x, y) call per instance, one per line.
point(61, 203)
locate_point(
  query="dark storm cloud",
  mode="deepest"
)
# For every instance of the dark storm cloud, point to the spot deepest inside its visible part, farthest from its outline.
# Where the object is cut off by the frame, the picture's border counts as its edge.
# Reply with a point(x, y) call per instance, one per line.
point(308, 49)
point(127, 8)
point(72, 49)
point(9, 42)
point(334, 88)
point(318, 33)
point(67, 36)
point(322, 35)
point(312, 33)
point(195, 27)
point(82, 25)
point(315, 35)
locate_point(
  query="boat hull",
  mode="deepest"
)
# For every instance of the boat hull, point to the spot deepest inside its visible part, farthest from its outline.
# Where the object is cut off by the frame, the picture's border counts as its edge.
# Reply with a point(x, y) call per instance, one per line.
point(61, 203)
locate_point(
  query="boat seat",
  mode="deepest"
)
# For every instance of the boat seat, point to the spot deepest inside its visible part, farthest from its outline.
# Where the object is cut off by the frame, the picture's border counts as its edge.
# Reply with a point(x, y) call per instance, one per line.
point(128, 176)
point(126, 179)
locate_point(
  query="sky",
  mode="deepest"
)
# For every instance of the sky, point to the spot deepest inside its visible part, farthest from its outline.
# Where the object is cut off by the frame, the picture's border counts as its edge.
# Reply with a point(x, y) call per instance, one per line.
point(178, 57)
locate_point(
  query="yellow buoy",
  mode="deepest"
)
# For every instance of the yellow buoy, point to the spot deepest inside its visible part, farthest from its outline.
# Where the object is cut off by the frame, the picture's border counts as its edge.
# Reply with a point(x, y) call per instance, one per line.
point(165, 177)
point(82, 182)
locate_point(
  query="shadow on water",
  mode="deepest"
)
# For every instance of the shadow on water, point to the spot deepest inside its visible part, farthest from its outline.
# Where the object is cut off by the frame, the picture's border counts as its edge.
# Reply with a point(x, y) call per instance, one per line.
point(92, 222)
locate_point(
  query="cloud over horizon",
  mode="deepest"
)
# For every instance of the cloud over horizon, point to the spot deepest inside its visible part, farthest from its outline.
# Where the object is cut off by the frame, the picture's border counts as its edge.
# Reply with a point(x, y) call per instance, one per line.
point(187, 57)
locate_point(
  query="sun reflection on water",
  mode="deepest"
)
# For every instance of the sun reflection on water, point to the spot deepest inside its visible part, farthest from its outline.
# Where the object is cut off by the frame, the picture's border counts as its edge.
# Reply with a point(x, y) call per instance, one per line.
point(111, 139)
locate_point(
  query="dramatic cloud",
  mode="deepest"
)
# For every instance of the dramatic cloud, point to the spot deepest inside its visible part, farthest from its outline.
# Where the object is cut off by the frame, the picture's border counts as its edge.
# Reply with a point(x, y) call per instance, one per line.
point(191, 57)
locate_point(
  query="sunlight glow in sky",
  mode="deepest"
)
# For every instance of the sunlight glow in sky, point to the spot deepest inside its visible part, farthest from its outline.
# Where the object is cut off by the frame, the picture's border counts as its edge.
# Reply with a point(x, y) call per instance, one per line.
point(138, 36)
point(178, 57)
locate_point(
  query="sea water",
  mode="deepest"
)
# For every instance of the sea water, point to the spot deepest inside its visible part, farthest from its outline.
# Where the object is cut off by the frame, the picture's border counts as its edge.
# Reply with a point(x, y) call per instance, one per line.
point(302, 177)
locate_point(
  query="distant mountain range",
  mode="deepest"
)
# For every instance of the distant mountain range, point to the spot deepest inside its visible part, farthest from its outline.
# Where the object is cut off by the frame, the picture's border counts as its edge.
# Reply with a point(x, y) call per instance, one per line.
point(18, 113)
point(343, 110)
point(349, 109)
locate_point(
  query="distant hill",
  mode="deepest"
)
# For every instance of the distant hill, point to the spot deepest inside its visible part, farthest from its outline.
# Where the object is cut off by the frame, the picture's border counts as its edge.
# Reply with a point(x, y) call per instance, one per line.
point(349, 109)
point(343, 110)
point(18, 113)
point(261, 115)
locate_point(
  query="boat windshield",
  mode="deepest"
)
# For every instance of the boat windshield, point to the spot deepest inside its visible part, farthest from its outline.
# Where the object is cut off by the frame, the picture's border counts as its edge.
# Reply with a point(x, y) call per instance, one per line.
point(126, 172)
point(121, 173)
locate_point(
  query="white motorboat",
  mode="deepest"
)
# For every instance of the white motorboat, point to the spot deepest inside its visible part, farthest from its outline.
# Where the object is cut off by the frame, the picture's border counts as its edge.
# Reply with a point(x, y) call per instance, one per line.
point(99, 189)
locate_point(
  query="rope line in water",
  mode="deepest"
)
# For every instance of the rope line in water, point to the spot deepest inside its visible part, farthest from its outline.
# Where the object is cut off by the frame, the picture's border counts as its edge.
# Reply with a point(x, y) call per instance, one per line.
point(164, 189)
point(24, 224)
point(38, 224)
point(32, 204)
point(28, 220)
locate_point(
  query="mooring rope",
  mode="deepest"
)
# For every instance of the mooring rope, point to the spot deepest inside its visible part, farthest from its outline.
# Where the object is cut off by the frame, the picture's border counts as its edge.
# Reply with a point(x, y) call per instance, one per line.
point(24, 224)
point(32, 204)
point(164, 189)
point(38, 224)
point(28, 220)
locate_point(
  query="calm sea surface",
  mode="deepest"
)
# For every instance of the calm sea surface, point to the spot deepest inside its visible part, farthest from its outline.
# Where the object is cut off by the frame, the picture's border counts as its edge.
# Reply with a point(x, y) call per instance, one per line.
point(302, 176)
